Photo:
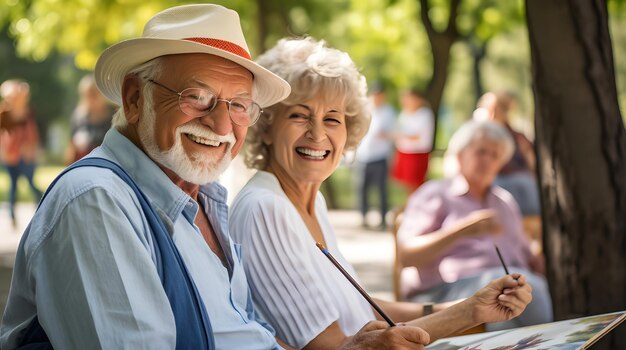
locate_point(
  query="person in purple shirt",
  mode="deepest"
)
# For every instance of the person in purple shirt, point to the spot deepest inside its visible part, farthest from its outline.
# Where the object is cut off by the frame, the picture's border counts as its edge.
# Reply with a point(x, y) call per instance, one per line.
point(446, 239)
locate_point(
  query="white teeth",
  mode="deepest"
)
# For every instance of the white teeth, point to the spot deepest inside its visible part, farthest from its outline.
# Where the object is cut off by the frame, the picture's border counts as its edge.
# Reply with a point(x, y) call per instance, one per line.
point(311, 153)
point(203, 141)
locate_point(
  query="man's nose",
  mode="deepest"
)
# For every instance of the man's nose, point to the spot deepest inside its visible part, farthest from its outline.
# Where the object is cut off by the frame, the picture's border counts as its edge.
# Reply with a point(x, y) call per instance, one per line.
point(218, 120)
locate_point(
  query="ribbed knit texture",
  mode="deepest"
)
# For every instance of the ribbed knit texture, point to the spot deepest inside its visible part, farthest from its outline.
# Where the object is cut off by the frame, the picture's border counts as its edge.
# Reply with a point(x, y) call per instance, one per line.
point(294, 286)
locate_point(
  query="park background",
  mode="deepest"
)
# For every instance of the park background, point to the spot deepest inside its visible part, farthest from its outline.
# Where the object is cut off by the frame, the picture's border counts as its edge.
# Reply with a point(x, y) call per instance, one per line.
point(453, 49)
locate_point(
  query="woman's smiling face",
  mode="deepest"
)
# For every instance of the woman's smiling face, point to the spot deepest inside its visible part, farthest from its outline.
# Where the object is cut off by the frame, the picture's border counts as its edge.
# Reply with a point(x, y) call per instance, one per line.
point(307, 140)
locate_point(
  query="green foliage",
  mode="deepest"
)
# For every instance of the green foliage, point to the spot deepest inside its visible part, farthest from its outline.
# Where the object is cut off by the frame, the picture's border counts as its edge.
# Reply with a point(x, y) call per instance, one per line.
point(82, 28)
point(388, 41)
point(485, 19)
point(386, 38)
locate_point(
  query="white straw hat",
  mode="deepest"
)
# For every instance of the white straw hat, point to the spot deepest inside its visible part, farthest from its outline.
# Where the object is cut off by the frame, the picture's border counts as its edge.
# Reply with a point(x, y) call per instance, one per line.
point(204, 28)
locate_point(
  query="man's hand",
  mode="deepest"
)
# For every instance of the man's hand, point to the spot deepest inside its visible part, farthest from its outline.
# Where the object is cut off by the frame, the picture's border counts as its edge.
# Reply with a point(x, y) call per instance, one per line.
point(502, 299)
point(378, 335)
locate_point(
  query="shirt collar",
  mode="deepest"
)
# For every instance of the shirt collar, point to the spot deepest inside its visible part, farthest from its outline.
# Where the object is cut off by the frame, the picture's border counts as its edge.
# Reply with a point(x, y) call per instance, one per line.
point(215, 191)
point(163, 193)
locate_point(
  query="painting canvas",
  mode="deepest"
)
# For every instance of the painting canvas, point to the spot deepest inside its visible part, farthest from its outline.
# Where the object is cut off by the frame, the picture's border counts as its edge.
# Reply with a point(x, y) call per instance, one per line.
point(572, 334)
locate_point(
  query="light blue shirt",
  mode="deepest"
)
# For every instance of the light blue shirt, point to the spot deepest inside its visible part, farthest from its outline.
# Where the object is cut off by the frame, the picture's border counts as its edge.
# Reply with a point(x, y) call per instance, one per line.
point(86, 264)
point(377, 144)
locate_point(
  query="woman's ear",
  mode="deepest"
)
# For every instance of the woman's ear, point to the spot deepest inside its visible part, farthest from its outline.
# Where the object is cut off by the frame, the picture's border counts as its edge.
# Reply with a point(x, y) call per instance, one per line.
point(132, 98)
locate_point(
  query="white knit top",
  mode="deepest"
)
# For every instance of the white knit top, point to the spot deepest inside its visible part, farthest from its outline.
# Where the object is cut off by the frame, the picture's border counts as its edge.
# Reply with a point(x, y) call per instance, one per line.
point(294, 286)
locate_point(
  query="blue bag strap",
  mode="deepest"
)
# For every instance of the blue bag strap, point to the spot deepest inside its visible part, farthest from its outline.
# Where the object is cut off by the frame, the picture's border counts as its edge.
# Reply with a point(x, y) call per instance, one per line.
point(193, 327)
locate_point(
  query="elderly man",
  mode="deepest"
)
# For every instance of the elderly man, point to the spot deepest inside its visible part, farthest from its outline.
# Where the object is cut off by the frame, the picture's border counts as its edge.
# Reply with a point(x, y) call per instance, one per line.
point(130, 249)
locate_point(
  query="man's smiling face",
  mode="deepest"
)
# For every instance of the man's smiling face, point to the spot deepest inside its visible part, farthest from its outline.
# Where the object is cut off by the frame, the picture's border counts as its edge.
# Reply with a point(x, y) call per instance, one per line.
point(197, 149)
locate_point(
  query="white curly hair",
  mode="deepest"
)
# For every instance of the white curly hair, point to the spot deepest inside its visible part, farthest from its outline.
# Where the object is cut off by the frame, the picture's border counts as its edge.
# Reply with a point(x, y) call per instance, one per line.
point(475, 130)
point(313, 70)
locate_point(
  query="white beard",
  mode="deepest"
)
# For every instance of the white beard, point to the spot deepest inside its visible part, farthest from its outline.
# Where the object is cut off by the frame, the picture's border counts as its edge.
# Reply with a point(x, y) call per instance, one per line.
point(196, 168)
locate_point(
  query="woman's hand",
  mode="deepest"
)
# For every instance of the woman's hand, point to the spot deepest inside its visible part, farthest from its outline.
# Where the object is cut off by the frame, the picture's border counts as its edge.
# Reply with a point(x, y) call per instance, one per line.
point(502, 299)
point(377, 335)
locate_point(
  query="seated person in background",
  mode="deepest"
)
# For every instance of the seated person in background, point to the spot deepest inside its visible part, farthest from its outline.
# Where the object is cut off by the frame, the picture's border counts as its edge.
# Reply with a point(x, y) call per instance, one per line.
point(446, 239)
point(280, 214)
point(518, 174)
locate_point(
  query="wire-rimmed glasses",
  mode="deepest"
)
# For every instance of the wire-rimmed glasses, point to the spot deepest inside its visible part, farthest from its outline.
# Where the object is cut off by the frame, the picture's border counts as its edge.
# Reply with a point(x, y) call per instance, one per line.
point(198, 102)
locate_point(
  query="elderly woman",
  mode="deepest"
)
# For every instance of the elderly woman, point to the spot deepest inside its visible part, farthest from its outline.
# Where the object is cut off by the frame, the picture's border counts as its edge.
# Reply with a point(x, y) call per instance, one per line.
point(280, 214)
point(450, 226)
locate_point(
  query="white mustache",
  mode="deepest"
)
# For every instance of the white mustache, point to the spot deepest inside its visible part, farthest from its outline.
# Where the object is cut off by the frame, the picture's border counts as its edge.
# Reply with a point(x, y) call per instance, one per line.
point(204, 132)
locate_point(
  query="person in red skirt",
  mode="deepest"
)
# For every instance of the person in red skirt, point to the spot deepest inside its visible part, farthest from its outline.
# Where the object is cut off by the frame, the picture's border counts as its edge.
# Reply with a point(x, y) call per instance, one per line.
point(414, 140)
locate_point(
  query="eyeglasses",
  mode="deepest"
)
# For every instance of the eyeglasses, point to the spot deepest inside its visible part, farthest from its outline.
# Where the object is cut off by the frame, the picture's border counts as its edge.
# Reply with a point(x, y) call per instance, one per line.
point(198, 102)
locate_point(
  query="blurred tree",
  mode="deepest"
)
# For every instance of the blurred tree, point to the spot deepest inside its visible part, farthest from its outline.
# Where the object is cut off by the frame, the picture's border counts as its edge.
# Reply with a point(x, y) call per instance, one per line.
point(581, 146)
point(475, 21)
point(386, 38)
point(285, 18)
point(409, 42)
point(483, 20)
point(83, 28)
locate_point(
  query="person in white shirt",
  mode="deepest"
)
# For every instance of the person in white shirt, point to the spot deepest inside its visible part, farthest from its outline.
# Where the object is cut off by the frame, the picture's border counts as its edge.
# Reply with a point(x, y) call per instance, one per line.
point(372, 155)
point(414, 140)
point(280, 214)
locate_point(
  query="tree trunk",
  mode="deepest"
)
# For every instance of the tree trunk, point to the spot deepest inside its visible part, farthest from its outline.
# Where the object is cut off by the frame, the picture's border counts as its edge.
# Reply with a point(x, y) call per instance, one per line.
point(440, 43)
point(479, 51)
point(581, 148)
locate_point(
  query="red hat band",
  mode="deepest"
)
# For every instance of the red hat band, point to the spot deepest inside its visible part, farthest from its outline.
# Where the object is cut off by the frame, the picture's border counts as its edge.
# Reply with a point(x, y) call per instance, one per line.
point(222, 45)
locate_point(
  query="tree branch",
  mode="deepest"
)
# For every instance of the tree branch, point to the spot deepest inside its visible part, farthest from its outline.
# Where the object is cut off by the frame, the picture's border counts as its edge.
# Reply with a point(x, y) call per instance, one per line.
point(452, 30)
point(428, 24)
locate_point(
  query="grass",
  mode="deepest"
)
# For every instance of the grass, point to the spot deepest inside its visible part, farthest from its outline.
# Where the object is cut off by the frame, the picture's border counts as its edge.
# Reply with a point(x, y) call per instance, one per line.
point(43, 177)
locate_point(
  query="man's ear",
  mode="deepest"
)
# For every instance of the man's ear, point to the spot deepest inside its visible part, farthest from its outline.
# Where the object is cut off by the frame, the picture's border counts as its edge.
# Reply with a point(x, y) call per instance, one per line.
point(132, 98)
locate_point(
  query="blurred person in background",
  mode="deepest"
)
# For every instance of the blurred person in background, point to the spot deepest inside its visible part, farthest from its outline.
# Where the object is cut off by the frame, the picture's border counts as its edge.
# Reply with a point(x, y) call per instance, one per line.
point(446, 239)
point(90, 120)
point(372, 154)
point(19, 138)
point(518, 175)
point(414, 140)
